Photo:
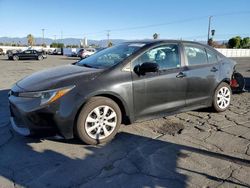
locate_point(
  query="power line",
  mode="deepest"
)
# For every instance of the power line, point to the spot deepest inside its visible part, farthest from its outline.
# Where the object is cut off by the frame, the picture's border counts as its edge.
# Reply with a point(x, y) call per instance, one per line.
point(161, 24)
point(180, 21)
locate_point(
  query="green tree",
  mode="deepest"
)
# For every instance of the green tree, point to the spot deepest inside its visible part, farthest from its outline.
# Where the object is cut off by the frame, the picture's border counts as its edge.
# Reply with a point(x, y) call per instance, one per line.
point(94, 46)
point(245, 42)
point(57, 45)
point(72, 46)
point(31, 39)
point(234, 42)
point(110, 44)
point(155, 36)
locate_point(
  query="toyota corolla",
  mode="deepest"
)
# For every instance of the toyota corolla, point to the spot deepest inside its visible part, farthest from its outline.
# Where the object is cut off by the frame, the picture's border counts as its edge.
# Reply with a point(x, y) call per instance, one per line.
point(129, 82)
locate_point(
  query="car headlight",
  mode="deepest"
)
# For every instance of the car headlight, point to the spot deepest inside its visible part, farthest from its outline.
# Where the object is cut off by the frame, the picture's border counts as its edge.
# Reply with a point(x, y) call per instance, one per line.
point(48, 96)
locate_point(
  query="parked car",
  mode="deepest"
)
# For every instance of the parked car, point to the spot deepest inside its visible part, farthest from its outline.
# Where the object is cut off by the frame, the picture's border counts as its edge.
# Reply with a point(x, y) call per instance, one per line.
point(27, 54)
point(1, 52)
point(58, 51)
point(129, 82)
point(50, 52)
point(73, 54)
point(84, 53)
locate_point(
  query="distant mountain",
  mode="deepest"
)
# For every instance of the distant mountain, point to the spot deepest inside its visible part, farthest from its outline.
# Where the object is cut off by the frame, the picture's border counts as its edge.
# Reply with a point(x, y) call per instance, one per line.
point(66, 41)
point(73, 41)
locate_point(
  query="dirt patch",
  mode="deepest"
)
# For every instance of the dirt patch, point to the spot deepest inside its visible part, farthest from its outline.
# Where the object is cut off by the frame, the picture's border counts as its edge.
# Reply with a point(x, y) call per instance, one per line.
point(169, 127)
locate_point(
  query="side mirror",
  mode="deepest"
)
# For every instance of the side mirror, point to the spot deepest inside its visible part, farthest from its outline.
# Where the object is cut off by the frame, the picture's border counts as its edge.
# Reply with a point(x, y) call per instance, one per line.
point(146, 67)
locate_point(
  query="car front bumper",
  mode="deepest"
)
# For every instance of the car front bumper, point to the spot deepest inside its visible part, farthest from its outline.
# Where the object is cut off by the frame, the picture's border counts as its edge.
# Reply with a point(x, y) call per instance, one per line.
point(30, 121)
point(19, 128)
point(28, 117)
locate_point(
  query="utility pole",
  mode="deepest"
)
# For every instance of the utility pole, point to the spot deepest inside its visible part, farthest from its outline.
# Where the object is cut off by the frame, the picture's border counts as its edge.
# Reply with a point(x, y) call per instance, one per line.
point(209, 25)
point(61, 36)
point(43, 35)
point(108, 35)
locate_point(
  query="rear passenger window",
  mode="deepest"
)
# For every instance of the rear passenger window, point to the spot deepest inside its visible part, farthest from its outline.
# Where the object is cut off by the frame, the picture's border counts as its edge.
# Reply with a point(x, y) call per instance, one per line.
point(212, 57)
point(195, 55)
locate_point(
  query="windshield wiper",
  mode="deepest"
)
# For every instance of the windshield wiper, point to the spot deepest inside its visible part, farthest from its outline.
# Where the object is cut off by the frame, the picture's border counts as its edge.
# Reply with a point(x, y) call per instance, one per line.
point(89, 66)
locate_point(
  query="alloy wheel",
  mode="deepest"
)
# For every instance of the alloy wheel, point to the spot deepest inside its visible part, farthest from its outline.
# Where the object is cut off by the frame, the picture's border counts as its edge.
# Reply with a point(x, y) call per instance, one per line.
point(223, 97)
point(101, 122)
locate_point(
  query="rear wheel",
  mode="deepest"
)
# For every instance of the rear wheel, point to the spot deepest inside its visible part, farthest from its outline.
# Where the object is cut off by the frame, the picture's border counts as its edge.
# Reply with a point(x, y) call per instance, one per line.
point(40, 57)
point(15, 58)
point(98, 121)
point(222, 97)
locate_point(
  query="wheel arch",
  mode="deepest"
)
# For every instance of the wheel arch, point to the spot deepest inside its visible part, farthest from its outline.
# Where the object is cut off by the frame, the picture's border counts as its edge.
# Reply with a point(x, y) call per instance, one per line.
point(122, 105)
point(226, 80)
point(126, 118)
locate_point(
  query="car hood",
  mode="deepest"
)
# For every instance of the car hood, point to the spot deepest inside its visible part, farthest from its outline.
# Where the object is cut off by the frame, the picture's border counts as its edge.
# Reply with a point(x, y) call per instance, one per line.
point(56, 77)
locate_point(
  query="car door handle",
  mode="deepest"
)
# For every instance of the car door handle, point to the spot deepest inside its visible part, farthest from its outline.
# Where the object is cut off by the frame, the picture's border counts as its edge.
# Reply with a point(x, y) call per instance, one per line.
point(180, 75)
point(214, 69)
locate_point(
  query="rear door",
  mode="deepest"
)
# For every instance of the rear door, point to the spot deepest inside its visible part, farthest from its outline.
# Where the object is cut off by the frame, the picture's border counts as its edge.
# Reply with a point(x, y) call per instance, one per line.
point(202, 73)
point(157, 93)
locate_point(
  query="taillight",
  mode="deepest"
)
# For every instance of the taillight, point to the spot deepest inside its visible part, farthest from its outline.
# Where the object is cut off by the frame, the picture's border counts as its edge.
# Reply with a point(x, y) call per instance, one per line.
point(234, 83)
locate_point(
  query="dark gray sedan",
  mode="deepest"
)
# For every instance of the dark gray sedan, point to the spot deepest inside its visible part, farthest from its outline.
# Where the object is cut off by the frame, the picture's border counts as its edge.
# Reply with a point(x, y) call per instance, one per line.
point(129, 82)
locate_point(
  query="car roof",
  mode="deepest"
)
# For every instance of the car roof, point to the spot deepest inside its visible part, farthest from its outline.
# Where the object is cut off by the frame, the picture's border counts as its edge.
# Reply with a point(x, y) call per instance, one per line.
point(160, 41)
point(153, 41)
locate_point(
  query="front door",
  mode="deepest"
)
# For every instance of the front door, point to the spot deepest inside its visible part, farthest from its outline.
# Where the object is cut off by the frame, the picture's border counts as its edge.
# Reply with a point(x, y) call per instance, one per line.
point(157, 93)
point(26, 54)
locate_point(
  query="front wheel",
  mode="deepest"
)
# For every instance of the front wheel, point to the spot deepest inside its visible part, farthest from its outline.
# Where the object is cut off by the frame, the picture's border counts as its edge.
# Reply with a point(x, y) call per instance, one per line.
point(15, 58)
point(98, 121)
point(222, 97)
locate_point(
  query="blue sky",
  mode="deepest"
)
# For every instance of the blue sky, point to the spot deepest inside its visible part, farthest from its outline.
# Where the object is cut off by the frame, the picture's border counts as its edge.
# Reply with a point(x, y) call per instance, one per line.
point(187, 19)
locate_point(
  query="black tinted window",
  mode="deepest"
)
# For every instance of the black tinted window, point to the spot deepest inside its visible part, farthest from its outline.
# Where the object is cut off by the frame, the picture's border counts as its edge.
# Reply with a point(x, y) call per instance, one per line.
point(212, 57)
point(27, 52)
point(166, 56)
point(195, 55)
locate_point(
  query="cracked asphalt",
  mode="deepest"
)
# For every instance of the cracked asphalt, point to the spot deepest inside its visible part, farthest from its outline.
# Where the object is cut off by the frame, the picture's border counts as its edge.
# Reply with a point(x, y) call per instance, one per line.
point(194, 149)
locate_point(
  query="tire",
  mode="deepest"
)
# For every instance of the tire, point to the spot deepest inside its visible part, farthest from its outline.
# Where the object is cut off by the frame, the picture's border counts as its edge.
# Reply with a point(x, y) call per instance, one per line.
point(40, 58)
point(15, 58)
point(94, 129)
point(222, 97)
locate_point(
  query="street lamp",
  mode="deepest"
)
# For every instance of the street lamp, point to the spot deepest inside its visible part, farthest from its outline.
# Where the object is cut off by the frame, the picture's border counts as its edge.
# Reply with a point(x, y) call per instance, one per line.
point(209, 25)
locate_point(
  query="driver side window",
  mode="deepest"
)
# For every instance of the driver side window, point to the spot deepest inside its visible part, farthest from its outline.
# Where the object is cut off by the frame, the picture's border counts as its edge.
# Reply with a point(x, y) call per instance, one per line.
point(166, 56)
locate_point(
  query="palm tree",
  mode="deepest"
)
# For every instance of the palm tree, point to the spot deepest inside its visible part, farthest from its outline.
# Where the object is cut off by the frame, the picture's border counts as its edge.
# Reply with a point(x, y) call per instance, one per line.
point(110, 44)
point(155, 36)
point(30, 39)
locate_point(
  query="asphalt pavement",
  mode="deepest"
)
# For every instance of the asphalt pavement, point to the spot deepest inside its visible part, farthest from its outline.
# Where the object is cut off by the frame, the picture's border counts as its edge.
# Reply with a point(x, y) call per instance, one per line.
point(194, 149)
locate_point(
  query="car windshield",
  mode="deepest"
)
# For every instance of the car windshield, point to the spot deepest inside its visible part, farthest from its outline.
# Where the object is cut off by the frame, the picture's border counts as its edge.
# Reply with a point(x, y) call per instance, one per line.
point(110, 56)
